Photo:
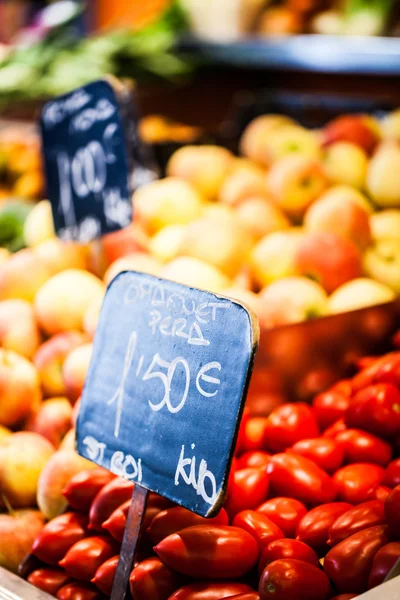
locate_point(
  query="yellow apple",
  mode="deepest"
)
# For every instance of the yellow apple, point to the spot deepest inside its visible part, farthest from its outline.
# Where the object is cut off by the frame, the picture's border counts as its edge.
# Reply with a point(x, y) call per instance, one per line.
point(383, 181)
point(245, 179)
point(165, 244)
point(359, 293)
point(346, 163)
point(261, 217)
point(293, 299)
point(39, 224)
point(274, 256)
point(136, 261)
point(382, 262)
point(253, 140)
point(390, 125)
point(385, 224)
point(345, 193)
point(195, 273)
point(22, 458)
point(169, 201)
point(224, 243)
point(204, 167)
point(61, 303)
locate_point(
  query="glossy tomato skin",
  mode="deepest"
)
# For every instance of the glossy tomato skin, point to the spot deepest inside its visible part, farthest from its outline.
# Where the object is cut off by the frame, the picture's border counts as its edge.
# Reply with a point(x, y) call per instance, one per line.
point(57, 537)
point(392, 512)
point(115, 524)
point(82, 489)
point(348, 564)
point(287, 548)
point(355, 481)
point(329, 407)
point(211, 591)
point(247, 488)
point(48, 579)
point(254, 433)
point(392, 474)
point(253, 459)
point(325, 452)
point(288, 424)
point(335, 428)
point(152, 579)
point(383, 562)
point(345, 597)
point(286, 513)
point(314, 527)
point(104, 576)
point(298, 477)
point(379, 493)
point(210, 552)
point(110, 497)
point(259, 526)
point(85, 557)
point(292, 579)
point(78, 590)
point(363, 447)
point(383, 370)
point(177, 518)
point(376, 409)
point(246, 596)
point(357, 518)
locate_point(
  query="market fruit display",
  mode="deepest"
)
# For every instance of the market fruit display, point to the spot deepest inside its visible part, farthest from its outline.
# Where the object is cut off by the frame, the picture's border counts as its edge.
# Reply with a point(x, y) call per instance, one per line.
point(312, 510)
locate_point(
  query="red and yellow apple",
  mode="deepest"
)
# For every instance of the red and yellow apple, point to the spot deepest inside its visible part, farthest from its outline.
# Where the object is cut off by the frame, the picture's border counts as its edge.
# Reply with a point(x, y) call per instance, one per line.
point(18, 532)
point(295, 182)
point(55, 475)
point(52, 420)
point(18, 327)
point(342, 216)
point(50, 357)
point(328, 258)
point(74, 371)
point(22, 275)
point(19, 388)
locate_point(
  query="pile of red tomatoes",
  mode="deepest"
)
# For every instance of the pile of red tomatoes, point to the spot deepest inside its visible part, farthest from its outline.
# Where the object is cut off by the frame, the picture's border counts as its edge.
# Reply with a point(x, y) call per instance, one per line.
point(312, 511)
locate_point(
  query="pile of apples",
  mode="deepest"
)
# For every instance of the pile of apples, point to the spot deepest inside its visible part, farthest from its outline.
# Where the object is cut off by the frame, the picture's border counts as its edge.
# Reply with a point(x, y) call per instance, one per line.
point(303, 224)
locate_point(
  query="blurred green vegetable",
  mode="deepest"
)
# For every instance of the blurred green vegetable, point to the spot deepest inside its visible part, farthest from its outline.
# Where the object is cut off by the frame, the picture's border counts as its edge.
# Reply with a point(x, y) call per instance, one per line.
point(366, 17)
point(61, 62)
point(12, 218)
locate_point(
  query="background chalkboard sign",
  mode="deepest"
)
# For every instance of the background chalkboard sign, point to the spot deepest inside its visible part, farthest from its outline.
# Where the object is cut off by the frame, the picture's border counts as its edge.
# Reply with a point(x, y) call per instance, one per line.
point(166, 387)
point(86, 162)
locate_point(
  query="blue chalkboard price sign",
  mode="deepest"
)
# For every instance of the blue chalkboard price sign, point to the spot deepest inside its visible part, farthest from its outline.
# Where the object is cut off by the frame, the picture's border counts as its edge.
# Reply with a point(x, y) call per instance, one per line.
point(91, 154)
point(166, 388)
point(164, 395)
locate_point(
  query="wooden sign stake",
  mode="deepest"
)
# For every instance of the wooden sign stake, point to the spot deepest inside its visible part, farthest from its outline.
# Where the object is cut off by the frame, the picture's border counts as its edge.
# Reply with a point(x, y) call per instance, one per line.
point(120, 589)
